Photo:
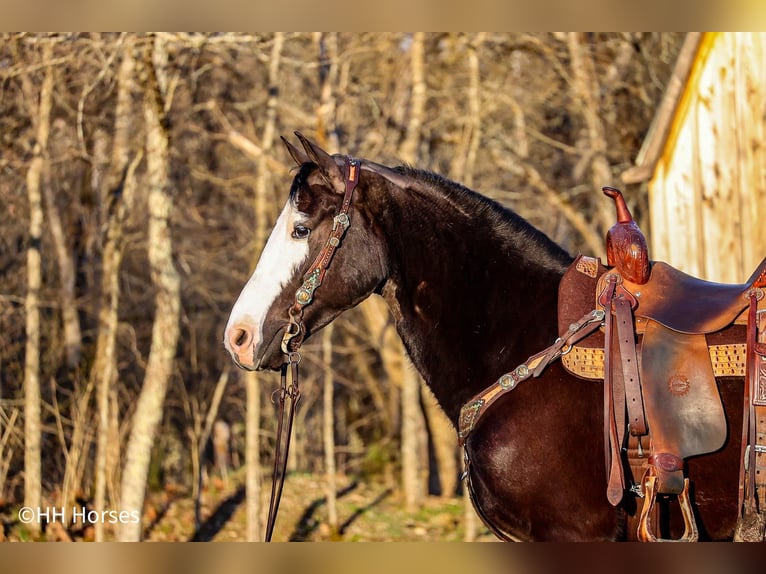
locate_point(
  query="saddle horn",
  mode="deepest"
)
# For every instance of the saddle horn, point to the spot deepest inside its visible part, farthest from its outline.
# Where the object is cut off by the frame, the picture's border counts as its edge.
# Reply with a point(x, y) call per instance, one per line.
point(626, 247)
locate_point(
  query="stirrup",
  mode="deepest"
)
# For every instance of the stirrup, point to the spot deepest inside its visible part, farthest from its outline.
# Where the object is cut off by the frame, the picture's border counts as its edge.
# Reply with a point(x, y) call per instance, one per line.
point(645, 534)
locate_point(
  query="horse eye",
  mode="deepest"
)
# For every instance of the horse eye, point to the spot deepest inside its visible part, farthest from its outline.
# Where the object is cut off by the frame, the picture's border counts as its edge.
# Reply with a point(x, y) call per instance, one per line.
point(301, 232)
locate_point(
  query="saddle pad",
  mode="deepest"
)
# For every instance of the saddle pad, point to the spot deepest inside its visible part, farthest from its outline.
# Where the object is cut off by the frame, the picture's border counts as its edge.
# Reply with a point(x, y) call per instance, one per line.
point(683, 408)
point(577, 294)
point(588, 363)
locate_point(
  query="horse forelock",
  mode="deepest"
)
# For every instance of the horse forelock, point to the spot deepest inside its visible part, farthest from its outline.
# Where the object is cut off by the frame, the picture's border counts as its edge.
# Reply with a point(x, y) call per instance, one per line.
point(299, 181)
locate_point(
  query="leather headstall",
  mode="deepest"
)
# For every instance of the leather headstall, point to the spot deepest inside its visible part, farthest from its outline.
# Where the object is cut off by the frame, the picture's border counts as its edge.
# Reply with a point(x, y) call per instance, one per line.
point(293, 338)
point(295, 332)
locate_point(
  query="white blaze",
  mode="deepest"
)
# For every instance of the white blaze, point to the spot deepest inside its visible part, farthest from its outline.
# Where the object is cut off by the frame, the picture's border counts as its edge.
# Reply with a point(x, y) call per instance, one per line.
point(281, 256)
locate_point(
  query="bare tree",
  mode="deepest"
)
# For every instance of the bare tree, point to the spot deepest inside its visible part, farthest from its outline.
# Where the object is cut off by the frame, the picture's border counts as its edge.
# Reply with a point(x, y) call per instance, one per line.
point(414, 474)
point(252, 456)
point(118, 191)
point(327, 137)
point(328, 431)
point(585, 88)
point(32, 423)
point(165, 330)
point(262, 205)
point(66, 266)
point(201, 434)
point(327, 133)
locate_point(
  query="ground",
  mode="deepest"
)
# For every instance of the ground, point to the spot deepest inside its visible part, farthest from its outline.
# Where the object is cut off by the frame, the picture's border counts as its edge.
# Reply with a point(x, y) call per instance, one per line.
point(367, 511)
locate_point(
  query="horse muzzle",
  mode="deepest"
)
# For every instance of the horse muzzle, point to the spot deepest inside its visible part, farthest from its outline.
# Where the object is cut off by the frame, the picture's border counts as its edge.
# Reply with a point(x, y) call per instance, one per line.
point(239, 340)
point(242, 342)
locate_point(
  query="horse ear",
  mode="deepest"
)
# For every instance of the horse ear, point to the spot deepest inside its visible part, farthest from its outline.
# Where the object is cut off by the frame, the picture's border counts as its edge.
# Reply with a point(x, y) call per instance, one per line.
point(299, 156)
point(328, 167)
point(391, 175)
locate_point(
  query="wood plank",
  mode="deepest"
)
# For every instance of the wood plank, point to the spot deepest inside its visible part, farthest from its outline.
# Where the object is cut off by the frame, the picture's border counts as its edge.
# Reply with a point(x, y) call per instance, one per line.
point(751, 111)
point(719, 206)
point(708, 190)
point(682, 233)
point(659, 246)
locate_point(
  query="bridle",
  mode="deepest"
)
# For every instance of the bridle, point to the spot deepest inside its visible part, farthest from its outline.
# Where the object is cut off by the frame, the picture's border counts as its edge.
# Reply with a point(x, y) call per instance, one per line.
point(294, 335)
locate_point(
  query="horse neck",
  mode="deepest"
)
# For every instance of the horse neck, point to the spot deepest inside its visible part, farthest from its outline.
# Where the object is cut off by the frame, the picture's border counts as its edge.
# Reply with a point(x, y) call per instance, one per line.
point(473, 290)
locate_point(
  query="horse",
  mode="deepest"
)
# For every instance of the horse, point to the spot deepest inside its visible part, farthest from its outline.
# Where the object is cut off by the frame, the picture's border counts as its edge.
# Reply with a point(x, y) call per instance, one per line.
point(472, 287)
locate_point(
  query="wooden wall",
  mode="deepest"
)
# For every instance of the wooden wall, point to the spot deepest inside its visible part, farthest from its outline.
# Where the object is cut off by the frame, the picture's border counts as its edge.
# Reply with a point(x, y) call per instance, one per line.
point(708, 191)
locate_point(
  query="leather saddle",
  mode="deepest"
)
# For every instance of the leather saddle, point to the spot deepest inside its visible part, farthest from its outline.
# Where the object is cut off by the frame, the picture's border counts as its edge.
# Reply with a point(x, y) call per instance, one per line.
point(658, 338)
point(665, 338)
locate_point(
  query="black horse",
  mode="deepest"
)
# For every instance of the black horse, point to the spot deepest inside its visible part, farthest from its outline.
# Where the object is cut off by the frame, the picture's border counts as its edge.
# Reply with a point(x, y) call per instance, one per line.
point(473, 288)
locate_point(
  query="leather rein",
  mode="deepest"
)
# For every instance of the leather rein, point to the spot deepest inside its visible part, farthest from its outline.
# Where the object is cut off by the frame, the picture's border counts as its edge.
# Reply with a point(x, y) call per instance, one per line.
point(293, 338)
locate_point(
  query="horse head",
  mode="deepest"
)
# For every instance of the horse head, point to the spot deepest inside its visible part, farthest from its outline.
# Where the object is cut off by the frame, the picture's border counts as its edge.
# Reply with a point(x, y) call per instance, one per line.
point(261, 314)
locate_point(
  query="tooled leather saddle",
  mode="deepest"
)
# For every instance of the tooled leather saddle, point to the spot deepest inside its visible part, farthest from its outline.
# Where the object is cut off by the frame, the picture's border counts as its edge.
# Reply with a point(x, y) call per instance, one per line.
point(666, 337)
point(658, 338)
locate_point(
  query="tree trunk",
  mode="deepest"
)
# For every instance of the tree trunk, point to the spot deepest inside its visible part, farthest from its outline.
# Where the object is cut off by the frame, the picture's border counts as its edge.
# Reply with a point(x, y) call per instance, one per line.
point(414, 442)
point(200, 440)
point(464, 160)
point(32, 424)
point(327, 133)
point(327, 136)
point(408, 151)
point(414, 469)
point(165, 331)
point(252, 456)
point(118, 192)
point(328, 431)
point(69, 316)
point(262, 187)
point(78, 452)
point(586, 89)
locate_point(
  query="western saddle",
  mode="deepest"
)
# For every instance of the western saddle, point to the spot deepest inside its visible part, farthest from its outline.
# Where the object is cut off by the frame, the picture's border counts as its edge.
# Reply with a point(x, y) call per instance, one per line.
point(658, 338)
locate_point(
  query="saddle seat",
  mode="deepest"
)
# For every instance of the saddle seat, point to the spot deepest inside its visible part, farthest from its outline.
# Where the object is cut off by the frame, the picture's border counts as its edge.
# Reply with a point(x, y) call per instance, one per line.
point(672, 298)
point(690, 305)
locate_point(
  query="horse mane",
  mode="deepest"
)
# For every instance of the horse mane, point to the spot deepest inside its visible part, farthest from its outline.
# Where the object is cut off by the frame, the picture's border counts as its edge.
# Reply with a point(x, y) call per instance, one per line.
point(512, 229)
point(450, 199)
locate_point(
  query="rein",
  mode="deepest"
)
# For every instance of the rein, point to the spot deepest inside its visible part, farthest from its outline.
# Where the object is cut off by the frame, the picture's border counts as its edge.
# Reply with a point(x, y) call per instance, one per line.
point(293, 338)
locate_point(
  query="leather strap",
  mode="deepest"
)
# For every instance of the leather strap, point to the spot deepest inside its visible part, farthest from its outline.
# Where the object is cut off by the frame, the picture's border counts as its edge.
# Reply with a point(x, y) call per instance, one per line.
point(629, 363)
point(605, 299)
point(284, 394)
point(755, 391)
point(312, 279)
point(293, 338)
point(614, 403)
point(532, 367)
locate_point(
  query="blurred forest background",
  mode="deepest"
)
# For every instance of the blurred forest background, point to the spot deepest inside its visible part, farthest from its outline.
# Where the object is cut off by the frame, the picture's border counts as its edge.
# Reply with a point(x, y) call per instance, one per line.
point(141, 175)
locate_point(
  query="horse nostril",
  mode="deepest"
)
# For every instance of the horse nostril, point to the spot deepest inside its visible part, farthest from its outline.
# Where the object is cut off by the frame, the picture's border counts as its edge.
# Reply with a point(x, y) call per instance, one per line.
point(240, 338)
